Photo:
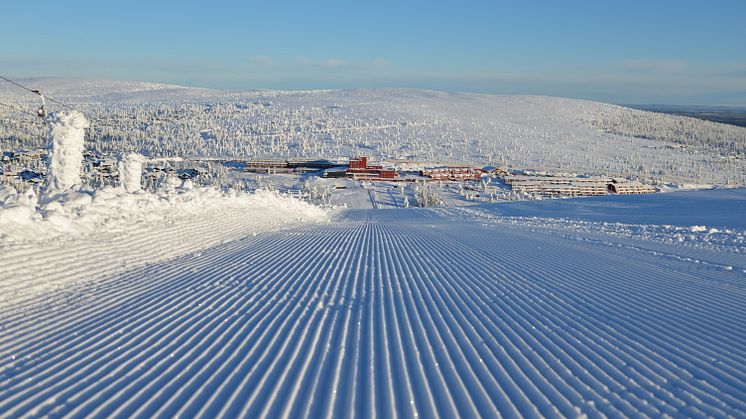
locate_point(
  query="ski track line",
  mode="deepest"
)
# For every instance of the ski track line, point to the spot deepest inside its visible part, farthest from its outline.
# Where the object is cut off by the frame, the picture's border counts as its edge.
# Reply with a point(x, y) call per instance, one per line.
point(740, 357)
point(44, 308)
point(101, 257)
point(187, 297)
point(520, 390)
point(145, 385)
point(380, 314)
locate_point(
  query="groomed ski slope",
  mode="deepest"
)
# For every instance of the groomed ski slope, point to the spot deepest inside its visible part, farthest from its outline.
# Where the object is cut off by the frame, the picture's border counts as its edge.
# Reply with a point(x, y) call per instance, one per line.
point(94, 234)
point(387, 313)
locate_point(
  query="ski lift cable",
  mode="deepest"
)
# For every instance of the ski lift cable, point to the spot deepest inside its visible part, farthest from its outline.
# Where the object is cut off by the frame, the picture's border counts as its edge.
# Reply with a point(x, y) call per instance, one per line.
point(51, 99)
point(100, 121)
point(88, 115)
point(42, 111)
point(44, 97)
point(19, 109)
point(19, 85)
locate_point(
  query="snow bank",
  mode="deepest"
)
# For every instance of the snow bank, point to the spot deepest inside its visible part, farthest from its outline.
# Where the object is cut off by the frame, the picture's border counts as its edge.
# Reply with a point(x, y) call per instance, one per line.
point(104, 211)
point(87, 234)
point(712, 208)
point(67, 145)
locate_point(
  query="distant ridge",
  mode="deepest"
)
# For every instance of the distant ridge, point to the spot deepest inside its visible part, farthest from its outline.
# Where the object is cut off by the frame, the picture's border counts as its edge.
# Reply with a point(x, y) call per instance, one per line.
point(733, 115)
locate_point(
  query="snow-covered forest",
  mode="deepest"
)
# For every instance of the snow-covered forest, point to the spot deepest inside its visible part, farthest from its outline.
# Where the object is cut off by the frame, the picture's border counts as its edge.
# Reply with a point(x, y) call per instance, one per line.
point(524, 132)
point(727, 139)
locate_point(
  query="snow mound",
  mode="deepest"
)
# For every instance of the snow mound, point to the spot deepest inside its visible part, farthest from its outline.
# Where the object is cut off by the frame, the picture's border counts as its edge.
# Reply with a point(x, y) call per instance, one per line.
point(101, 232)
point(706, 219)
point(111, 211)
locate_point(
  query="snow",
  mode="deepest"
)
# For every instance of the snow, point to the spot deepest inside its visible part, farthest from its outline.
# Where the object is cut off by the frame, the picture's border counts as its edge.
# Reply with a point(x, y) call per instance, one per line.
point(402, 312)
point(716, 207)
point(520, 132)
point(67, 145)
point(130, 172)
point(87, 233)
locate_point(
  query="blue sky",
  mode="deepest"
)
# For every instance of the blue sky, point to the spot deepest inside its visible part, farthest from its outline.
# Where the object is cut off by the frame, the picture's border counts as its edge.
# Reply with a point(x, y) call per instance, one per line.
point(670, 52)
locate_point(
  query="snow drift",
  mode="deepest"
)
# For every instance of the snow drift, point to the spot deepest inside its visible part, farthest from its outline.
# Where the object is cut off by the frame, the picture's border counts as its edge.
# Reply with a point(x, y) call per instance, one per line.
point(108, 230)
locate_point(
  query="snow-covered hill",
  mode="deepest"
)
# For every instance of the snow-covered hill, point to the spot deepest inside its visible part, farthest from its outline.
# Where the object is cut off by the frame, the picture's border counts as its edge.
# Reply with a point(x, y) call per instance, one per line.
point(523, 132)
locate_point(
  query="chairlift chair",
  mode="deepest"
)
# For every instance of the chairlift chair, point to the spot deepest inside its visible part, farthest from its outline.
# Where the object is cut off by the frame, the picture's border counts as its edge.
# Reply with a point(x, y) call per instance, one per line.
point(42, 111)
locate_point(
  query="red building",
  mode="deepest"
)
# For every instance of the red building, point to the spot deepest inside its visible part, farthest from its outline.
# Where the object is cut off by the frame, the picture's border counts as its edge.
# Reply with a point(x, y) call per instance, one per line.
point(359, 169)
point(358, 163)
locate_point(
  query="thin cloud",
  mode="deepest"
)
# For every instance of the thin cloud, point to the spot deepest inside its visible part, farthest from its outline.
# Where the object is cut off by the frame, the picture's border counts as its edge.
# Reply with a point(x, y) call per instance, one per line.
point(731, 71)
point(261, 60)
point(655, 66)
point(335, 63)
point(344, 64)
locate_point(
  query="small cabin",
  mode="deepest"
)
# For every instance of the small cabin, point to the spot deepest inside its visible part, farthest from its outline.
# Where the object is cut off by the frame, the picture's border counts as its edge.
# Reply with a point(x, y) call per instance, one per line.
point(24, 156)
point(106, 166)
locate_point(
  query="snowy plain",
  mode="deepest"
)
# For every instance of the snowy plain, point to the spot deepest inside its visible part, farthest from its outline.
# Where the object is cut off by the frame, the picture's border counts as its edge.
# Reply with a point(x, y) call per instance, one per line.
point(198, 302)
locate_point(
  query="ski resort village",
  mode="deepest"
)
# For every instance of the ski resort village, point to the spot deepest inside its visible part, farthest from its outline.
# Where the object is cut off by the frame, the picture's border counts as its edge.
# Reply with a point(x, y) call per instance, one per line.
point(168, 251)
point(24, 170)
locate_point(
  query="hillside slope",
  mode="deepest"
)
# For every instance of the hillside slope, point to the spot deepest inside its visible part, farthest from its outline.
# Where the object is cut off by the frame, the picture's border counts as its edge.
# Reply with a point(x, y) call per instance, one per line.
point(524, 132)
